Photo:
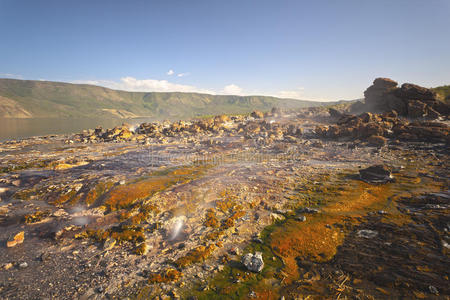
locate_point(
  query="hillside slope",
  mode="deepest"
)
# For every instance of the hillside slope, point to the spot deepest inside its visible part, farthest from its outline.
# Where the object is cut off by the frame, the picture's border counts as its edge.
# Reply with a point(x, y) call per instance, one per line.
point(443, 92)
point(39, 99)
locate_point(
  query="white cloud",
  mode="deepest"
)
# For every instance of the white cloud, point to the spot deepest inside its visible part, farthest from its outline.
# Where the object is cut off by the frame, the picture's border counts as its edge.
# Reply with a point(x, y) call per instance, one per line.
point(170, 72)
point(145, 85)
point(183, 74)
point(154, 85)
point(232, 89)
point(9, 75)
point(292, 94)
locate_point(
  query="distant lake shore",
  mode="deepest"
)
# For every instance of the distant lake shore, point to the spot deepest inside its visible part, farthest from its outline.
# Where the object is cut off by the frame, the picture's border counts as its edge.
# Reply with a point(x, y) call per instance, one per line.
point(13, 129)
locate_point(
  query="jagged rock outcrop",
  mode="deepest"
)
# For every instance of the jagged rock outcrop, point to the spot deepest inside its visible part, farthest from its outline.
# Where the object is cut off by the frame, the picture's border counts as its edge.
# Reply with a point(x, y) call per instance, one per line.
point(375, 128)
point(409, 100)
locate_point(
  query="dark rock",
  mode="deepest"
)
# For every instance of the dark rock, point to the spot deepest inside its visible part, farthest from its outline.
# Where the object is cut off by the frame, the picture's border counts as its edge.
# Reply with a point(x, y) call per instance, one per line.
point(375, 94)
point(384, 83)
point(257, 115)
point(413, 91)
point(275, 111)
point(393, 103)
point(376, 174)
point(416, 109)
point(257, 240)
point(410, 100)
point(357, 107)
point(309, 210)
point(334, 113)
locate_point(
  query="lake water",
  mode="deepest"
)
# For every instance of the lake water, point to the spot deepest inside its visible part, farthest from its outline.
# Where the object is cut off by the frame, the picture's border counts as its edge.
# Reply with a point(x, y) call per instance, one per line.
point(22, 128)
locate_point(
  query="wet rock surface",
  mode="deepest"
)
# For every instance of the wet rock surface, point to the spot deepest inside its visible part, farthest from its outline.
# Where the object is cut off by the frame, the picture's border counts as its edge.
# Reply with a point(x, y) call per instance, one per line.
point(169, 208)
point(399, 261)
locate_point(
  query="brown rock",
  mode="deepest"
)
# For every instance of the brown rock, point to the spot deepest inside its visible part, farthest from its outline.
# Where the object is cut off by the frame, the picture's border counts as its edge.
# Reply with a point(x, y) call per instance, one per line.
point(385, 83)
point(376, 140)
point(441, 107)
point(432, 114)
point(275, 111)
point(257, 115)
point(375, 94)
point(16, 240)
point(393, 103)
point(333, 131)
point(334, 113)
point(366, 130)
point(416, 109)
point(321, 130)
point(294, 130)
point(412, 91)
point(221, 119)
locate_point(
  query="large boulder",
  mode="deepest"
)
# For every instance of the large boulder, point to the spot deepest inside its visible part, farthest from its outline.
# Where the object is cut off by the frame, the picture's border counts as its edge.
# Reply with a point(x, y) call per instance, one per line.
point(334, 113)
point(376, 94)
point(385, 83)
point(410, 100)
point(394, 103)
point(410, 91)
point(253, 262)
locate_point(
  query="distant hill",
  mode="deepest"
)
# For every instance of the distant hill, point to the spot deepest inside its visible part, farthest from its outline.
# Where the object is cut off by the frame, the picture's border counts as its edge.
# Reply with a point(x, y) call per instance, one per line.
point(43, 99)
point(443, 92)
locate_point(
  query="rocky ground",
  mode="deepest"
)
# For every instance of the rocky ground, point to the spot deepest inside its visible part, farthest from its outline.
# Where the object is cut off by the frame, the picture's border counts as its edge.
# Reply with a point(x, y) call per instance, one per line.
point(266, 206)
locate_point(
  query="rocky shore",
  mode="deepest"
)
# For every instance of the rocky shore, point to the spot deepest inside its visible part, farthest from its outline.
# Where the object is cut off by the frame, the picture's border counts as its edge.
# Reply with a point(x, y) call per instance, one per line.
point(317, 202)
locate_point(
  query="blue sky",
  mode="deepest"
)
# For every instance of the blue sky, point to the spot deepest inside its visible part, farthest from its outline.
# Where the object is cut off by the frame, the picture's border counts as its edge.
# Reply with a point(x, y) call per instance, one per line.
point(302, 49)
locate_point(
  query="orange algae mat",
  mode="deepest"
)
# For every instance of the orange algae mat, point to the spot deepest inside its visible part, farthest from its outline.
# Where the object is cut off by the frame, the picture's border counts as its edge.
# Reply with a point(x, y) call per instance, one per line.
point(317, 239)
point(125, 195)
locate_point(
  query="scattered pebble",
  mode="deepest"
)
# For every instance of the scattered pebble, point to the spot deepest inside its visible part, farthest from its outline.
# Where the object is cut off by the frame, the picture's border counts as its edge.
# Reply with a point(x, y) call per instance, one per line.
point(16, 240)
point(300, 218)
point(433, 290)
point(368, 234)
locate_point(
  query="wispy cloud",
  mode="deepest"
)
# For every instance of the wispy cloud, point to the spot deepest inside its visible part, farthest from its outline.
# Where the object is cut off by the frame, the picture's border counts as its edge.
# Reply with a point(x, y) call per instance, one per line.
point(183, 74)
point(9, 75)
point(154, 85)
point(292, 94)
point(170, 72)
point(146, 85)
